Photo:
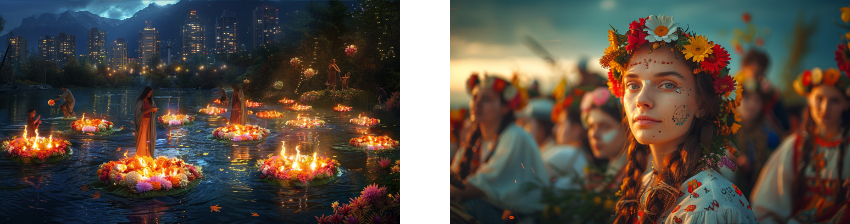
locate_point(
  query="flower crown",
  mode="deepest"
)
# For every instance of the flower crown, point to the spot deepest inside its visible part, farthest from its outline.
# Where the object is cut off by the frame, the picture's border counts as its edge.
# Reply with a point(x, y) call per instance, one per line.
point(709, 59)
point(842, 55)
point(599, 97)
point(804, 82)
point(569, 102)
point(506, 90)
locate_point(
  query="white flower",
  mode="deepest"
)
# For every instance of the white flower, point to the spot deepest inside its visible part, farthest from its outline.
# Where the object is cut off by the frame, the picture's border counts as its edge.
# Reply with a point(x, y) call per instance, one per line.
point(817, 76)
point(661, 28)
point(509, 93)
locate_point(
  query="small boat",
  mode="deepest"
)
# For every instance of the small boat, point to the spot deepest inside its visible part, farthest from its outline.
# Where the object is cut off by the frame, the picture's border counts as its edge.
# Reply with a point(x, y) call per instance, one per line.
point(43, 87)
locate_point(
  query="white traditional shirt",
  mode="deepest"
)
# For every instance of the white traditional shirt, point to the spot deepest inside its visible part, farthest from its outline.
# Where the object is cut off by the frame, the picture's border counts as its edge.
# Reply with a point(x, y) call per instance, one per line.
point(707, 197)
point(515, 162)
point(772, 195)
point(565, 164)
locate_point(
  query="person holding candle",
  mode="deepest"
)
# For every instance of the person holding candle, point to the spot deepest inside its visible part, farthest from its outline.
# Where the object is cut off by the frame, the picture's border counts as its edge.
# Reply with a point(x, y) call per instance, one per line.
point(499, 159)
point(32, 122)
point(238, 112)
point(223, 98)
point(145, 126)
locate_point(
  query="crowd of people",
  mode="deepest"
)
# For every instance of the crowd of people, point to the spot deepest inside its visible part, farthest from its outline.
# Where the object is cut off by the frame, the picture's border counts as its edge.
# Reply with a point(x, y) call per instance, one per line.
point(671, 136)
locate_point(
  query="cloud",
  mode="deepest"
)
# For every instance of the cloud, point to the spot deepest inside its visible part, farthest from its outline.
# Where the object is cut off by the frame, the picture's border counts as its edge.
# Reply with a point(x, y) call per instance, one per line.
point(607, 5)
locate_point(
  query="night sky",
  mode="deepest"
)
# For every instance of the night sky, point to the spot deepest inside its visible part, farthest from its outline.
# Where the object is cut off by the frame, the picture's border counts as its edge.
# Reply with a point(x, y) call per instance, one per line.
point(487, 35)
point(15, 11)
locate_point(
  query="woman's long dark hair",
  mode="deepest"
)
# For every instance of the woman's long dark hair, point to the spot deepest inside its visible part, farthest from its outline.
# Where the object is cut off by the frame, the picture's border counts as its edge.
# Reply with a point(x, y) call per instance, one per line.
point(145, 93)
point(470, 142)
point(807, 131)
point(235, 87)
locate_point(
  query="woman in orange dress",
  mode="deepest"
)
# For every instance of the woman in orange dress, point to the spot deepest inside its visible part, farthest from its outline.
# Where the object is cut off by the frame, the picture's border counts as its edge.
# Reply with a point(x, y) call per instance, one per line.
point(145, 126)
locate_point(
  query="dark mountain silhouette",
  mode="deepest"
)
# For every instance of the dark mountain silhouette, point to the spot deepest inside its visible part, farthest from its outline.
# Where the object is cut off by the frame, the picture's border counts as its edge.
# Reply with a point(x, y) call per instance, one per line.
point(166, 19)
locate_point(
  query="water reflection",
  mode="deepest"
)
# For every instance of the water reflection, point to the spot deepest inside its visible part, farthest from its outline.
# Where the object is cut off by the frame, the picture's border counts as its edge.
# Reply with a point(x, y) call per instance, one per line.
point(52, 192)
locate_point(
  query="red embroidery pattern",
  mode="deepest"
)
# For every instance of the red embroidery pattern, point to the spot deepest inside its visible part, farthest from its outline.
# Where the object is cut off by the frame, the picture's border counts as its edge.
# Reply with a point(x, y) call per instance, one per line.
point(714, 202)
point(691, 208)
point(828, 144)
point(677, 219)
point(737, 191)
point(676, 209)
point(695, 195)
point(693, 185)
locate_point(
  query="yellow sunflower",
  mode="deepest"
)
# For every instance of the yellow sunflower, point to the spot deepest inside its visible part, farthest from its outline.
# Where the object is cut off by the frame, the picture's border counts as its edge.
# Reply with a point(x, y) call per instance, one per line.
point(612, 38)
point(617, 67)
point(738, 91)
point(736, 125)
point(699, 48)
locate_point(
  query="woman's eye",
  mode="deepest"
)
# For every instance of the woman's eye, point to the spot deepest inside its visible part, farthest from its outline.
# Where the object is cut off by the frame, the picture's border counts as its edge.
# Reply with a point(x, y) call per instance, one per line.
point(668, 85)
point(632, 86)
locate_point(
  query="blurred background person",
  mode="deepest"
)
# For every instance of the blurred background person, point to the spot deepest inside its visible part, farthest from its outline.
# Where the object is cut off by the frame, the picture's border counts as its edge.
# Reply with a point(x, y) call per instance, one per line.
point(806, 179)
point(536, 119)
point(485, 176)
point(567, 159)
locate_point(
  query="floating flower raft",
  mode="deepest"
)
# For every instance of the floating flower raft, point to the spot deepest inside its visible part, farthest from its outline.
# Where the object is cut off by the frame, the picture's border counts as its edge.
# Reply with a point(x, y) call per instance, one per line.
point(269, 114)
point(51, 102)
point(145, 177)
point(176, 120)
point(341, 108)
point(94, 126)
point(251, 104)
point(305, 122)
point(365, 121)
point(241, 133)
point(374, 143)
point(299, 170)
point(217, 101)
point(212, 110)
point(300, 107)
point(286, 101)
point(36, 149)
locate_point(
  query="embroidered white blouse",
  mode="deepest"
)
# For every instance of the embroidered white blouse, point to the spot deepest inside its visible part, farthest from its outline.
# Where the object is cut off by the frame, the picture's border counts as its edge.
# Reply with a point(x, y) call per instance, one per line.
point(707, 197)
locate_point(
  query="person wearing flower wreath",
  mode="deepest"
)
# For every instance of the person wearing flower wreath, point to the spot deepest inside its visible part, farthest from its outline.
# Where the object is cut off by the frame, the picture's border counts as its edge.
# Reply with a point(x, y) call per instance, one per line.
point(679, 103)
point(601, 116)
point(806, 178)
point(498, 158)
point(758, 136)
point(145, 122)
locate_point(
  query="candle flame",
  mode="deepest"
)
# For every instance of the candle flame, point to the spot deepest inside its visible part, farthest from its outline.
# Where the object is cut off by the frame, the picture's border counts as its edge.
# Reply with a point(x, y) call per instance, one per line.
point(25, 132)
point(314, 161)
point(282, 148)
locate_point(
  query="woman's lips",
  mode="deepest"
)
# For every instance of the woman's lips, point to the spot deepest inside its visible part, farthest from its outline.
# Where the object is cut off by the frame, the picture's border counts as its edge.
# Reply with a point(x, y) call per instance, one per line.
point(643, 120)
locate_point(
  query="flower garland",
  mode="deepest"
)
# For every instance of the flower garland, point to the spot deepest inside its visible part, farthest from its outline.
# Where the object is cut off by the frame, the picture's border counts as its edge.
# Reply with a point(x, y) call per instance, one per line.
point(309, 96)
point(708, 58)
point(300, 107)
point(36, 147)
point(91, 125)
point(374, 143)
point(238, 133)
point(364, 121)
point(508, 90)
point(269, 114)
point(309, 73)
point(51, 102)
point(212, 110)
point(842, 54)
point(177, 119)
point(305, 122)
point(809, 79)
point(373, 206)
point(142, 174)
point(286, 101)
point(341, 108)
point(252, 104)
point(301, 169)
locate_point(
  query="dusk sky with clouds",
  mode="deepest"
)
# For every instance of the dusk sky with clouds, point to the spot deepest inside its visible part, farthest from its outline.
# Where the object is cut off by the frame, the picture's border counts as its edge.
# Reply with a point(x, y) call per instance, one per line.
point(107, 9)
point(487, 35)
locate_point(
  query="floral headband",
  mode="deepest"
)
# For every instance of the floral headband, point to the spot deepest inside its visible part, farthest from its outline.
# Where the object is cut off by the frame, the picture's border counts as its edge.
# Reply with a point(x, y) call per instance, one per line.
point(599, 97)
point(804, 82)
point(709, 59)
point(570, 102)
point(506, 90)
point(842, 55)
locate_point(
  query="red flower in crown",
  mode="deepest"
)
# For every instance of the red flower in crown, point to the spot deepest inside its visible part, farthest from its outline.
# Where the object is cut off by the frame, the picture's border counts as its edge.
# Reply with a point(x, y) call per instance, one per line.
point(724, 84)
point(807, 78)
point(843, 59)
point(716, 61)
point(499, 85)
point(614, 85)
point(636, 35)
point(746, 17)
point(472, 81)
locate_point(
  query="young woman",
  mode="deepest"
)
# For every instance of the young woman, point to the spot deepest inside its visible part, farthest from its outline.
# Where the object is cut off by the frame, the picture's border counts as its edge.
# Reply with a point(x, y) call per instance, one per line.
point(679, 108)
point(806, 179)
point(566, 161)
point(601, 116)
point(756, 139)
point(145, 121)
point(238, 111)
point(498, 159)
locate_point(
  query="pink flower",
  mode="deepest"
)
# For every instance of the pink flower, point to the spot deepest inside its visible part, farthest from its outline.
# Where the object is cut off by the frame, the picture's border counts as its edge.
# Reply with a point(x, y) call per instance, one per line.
point(384, 162)
point(144, 187)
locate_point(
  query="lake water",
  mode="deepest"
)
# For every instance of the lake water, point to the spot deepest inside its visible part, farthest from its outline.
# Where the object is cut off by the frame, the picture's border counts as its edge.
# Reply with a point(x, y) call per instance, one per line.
point(52, 192)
